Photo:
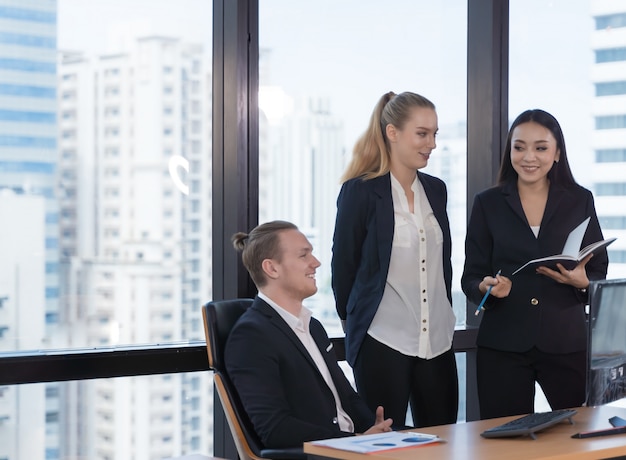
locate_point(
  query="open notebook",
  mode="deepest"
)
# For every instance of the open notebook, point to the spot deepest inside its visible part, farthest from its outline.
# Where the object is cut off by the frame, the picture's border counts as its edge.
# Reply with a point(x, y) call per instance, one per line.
point(571, 255)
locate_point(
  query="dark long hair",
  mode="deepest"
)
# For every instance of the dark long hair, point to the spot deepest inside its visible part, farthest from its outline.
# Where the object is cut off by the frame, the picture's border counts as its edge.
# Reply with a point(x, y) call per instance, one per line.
point(560, 174)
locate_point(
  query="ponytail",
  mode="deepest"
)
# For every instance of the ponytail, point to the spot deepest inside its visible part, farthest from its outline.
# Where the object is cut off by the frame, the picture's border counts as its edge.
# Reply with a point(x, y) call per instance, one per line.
point(371, 154)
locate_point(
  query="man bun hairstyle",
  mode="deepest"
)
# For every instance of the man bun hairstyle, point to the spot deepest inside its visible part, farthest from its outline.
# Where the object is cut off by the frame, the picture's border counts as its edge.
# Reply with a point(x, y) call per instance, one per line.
point(263, 242)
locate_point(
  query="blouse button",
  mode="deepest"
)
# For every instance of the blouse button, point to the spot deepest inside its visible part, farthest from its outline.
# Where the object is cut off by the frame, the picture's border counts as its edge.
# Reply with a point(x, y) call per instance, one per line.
point(534, 302)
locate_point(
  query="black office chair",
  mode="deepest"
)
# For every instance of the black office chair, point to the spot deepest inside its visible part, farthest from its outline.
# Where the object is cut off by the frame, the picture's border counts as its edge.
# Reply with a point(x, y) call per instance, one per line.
point(219, 319)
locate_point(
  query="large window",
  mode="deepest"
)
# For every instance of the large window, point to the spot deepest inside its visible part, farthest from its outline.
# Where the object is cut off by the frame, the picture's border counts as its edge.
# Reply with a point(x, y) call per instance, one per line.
point(105, 118)
point(143, 417)
point(110, 211)
point(105, 167)
point(316, 96)
point(554, 44)
point(552, 67)
point(318, 92)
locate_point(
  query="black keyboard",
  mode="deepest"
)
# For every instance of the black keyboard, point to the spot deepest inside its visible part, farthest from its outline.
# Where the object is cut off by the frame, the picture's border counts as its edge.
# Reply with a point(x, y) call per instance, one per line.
point(529, 424)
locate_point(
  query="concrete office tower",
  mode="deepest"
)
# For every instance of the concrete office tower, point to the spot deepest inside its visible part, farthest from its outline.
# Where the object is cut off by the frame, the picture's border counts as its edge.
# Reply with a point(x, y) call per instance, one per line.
point(609, 126)
point(28, 120)
point(28, 140)
point(134, 173)
point(301, 160)
point(22, 320)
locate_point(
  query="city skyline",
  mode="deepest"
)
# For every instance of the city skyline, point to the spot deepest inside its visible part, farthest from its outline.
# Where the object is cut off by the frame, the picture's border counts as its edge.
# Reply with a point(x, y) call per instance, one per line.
point(525, 31)
point(342, 145)
point(139, 255)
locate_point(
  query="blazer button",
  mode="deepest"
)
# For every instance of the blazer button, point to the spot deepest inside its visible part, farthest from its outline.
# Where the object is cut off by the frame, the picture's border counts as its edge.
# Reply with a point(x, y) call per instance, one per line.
point(335, 421)
point(534, 302)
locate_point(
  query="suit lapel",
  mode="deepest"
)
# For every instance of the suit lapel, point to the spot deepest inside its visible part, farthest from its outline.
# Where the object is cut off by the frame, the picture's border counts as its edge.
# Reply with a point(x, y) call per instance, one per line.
point(330, 359)
point(324, 345)
point(435, 199)
point(280, 324)
point(385, 219)
point(511, 196)
point(555, 197)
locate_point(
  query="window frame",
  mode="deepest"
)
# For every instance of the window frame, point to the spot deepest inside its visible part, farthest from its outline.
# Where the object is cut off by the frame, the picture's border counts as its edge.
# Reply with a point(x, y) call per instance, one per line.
point(235, 204)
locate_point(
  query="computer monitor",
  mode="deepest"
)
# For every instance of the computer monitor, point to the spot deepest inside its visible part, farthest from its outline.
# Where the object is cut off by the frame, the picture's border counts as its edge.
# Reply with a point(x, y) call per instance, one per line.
point(606, 372)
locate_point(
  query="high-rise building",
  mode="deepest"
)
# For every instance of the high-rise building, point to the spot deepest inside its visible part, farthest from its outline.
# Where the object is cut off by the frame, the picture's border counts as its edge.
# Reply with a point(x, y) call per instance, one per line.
point(134, 183)
point(608, 138)
point(28, 135)
point(301, 157)
point(22, 325)
point(28, 140)
point(299, 136)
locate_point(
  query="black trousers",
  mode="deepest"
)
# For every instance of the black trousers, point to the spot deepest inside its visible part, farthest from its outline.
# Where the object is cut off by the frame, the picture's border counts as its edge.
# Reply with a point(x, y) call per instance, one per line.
point(506, 380)
point(386, 377)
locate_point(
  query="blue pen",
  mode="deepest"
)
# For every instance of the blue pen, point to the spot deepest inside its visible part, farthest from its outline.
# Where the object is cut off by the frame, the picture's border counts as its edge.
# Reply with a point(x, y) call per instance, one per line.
point(482, 302)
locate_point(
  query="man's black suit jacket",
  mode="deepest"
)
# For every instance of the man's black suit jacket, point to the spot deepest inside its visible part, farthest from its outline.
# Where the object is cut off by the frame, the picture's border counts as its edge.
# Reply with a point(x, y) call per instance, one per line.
point(280, 386)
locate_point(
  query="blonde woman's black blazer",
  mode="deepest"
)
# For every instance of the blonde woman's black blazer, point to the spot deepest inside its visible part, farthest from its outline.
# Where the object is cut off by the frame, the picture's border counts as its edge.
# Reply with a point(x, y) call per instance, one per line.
point(362, 249)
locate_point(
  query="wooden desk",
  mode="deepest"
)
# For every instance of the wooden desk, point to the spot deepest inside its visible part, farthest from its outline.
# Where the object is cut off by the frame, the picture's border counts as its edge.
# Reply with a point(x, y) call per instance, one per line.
point(463, 441)
point(194, 457)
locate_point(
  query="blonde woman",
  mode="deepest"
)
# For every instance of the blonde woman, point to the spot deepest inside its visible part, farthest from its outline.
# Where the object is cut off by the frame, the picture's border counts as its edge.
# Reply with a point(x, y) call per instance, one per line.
point(391, 268)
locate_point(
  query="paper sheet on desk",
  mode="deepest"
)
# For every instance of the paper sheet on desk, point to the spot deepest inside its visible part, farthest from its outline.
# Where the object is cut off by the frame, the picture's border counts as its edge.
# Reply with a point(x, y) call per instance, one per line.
point(379, 442)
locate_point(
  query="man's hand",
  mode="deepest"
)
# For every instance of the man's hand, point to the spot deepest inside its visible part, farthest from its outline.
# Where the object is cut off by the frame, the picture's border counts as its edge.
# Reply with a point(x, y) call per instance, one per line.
point(382, 425)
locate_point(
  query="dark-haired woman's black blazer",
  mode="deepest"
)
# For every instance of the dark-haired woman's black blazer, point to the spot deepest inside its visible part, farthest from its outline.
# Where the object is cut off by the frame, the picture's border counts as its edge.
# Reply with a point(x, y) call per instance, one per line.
point(538, 312)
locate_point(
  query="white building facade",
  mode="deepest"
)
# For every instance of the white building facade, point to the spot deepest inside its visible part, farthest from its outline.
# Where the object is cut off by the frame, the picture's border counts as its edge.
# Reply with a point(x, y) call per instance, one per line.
point(22, 321)
point(28, 133)
point(134, 181)
point(301, 157)
point(609, 126)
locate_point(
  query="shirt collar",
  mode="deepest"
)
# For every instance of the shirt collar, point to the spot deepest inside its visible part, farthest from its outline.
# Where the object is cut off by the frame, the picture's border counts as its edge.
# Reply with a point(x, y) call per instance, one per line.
point(395, 183)
point(300, 323)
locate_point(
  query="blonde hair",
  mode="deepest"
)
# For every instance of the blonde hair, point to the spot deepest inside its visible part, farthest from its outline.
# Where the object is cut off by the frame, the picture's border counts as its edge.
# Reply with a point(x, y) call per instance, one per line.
point(263, 242)
point(370, 156)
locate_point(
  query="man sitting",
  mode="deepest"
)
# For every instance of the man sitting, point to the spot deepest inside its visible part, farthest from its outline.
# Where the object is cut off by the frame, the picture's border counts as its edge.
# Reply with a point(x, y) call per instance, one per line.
point(280, 359)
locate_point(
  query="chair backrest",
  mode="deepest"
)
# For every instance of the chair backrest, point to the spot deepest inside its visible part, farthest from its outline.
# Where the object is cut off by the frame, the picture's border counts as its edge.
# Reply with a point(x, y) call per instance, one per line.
point(219, 319)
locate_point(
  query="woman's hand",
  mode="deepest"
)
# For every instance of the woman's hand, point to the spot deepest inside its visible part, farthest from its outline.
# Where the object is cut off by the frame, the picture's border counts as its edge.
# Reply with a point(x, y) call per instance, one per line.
point(576, 277)
point(501, 285)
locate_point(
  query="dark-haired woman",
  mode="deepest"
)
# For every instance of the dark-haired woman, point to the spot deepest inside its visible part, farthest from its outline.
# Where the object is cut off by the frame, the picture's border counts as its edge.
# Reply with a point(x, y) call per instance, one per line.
point(533, 328)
